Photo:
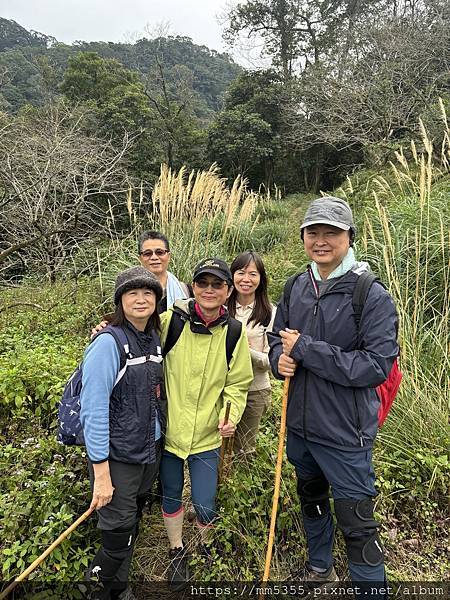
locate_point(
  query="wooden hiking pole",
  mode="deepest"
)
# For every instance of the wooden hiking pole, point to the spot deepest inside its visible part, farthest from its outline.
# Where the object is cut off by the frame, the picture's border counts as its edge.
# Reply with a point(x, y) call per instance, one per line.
point(225, 445)
point(276, 492)
point(44, 555)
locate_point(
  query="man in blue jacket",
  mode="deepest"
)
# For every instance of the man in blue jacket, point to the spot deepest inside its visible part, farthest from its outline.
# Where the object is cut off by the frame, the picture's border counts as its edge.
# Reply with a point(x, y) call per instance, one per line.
point(334, 366)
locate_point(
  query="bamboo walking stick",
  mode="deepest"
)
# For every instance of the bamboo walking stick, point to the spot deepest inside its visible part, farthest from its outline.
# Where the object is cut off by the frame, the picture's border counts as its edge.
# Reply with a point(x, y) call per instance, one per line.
point(44, 555)
point(276, 492)
point(225, 444)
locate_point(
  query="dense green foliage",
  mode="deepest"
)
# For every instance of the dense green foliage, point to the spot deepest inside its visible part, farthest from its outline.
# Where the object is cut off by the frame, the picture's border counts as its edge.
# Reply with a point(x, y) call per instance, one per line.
point(33, 65)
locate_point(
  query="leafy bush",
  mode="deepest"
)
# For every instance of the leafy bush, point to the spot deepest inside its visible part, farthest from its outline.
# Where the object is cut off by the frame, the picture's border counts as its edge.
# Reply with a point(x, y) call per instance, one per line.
point(32, 376)
point(40, 348)
point(44, 489)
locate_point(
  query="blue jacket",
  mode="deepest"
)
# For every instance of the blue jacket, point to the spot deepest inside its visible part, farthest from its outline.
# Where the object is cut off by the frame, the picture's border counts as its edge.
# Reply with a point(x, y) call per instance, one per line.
point(332, 397)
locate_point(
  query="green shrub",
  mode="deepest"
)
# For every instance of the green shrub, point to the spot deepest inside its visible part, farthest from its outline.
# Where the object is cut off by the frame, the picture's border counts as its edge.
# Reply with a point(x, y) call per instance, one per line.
point(44, 489)
point(33, 375)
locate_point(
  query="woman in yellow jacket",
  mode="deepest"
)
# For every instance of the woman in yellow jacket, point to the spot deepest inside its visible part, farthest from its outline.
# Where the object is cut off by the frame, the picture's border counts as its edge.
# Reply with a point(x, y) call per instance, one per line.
point(199, 383)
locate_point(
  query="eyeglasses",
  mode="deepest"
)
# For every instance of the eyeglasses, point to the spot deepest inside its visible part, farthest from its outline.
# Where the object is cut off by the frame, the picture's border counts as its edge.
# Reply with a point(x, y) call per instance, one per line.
point(158, 252)
point(216, 285)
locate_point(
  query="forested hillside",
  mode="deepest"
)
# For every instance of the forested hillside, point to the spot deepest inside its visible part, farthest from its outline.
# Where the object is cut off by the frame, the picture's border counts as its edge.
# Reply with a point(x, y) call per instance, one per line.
point(346, 86)
point(32, 65)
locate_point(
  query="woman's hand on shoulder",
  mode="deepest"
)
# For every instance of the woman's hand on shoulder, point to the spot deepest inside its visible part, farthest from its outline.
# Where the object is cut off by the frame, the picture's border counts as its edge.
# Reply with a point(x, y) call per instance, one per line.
point(98, 328)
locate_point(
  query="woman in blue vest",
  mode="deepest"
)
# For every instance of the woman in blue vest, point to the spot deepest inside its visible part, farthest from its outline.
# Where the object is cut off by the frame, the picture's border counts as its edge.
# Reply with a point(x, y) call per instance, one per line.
point(123, 414)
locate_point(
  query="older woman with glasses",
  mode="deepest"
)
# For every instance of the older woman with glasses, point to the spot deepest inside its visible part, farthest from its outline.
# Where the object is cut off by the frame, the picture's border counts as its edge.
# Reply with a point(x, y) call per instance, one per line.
point(154, 255)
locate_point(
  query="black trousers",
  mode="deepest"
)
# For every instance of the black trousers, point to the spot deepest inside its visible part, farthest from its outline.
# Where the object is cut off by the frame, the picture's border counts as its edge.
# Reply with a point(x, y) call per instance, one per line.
point(132, 483)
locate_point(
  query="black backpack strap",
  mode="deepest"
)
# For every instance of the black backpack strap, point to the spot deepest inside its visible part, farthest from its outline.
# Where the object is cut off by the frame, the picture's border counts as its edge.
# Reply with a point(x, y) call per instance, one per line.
point(288, 289)
point(176, 326)
point(362, 287)
point(121, 340)
point(233, 334)
point(121, 337)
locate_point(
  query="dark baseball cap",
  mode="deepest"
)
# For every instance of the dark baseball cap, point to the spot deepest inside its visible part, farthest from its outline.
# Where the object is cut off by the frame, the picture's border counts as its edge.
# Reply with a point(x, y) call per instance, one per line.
point(213, 266)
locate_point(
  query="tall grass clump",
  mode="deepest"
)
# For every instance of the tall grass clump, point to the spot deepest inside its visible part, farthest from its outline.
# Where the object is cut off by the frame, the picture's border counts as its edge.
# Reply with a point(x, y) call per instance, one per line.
point(405, 236)
point(199, 207)
point(200, 215)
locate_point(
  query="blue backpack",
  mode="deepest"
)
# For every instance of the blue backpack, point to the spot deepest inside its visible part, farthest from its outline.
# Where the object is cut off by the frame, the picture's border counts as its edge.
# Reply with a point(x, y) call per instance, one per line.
point(70, 432)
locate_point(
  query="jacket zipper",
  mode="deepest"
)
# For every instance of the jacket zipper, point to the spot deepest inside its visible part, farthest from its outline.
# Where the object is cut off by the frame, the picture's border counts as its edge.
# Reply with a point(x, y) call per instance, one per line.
point(316, 307)
point(358, 422)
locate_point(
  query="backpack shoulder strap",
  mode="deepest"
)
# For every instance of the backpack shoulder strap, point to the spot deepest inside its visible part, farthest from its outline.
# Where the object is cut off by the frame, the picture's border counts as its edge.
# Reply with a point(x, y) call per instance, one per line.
point(288, 289)
point(233, 334)
point(176, 326)
point(121, 340)
point(187, 288)
point(123, 345)
point(120, 337)
point(362, 287)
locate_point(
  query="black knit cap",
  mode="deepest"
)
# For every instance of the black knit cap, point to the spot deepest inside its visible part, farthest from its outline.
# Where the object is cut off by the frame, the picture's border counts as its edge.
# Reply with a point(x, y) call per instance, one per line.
point(213, 266)
point(136, 277)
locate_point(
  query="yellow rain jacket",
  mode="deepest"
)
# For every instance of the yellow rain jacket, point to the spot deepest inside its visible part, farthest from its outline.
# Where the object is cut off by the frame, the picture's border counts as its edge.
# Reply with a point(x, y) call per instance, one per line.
point(199, 383)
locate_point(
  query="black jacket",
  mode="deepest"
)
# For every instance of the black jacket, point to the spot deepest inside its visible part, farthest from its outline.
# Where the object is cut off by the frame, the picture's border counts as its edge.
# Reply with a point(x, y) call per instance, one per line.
point(332, 397)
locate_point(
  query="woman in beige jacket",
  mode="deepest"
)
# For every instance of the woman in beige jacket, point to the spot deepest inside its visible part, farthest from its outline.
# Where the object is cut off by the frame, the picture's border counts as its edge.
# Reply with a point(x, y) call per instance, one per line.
point(250, 304)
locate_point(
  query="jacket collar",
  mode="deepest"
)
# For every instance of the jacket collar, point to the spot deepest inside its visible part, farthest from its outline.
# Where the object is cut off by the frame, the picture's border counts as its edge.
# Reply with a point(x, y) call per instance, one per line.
point(344, 267)
point(247, 306)
point(199, 313)
point(197, 325)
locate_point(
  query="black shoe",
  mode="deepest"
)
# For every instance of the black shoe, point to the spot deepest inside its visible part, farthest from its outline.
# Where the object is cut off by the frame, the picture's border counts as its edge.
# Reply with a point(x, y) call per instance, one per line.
point(311, 578)
point(111, 591)
point(126, 594)
point(178, 573)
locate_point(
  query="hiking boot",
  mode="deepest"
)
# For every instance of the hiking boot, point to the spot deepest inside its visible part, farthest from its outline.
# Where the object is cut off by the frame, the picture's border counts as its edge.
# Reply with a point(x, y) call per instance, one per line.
point(113, 591)
point(126, 594)
point(178, 572)
point(313, 579)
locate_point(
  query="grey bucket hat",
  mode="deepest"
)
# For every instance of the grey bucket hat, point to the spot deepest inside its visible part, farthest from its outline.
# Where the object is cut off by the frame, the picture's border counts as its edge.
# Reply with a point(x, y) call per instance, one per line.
point(329, 211)
point(136, 277)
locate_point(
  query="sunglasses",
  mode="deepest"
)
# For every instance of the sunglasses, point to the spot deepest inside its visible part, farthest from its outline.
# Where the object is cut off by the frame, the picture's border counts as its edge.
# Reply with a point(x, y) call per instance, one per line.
point(158, 252)
point(204, 283)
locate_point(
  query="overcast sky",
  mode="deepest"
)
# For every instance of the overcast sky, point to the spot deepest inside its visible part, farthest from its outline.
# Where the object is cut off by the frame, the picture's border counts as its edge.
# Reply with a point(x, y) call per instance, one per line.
point(119, 20)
